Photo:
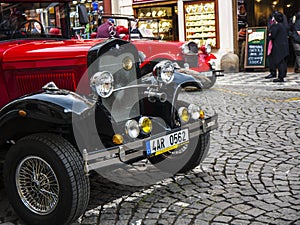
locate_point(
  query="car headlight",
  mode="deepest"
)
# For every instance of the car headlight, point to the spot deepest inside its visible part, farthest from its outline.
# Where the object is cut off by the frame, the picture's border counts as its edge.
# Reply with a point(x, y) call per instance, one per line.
point(164, 71)
point(194, 111)
point(185, 49)
point(208, 48)
point(127, 63)
point(145, 124)
point(142, 56)
point(184, 114)
point(132, 128)
point(102, 83)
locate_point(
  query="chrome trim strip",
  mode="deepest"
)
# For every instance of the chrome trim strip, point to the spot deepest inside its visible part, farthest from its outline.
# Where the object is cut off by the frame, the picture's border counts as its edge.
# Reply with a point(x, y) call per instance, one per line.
point(135, 86)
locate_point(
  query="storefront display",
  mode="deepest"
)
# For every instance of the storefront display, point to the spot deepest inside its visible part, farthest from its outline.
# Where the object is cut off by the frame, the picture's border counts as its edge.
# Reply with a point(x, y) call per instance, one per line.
point(202, 22)
point(85, 29)
point(158, 20)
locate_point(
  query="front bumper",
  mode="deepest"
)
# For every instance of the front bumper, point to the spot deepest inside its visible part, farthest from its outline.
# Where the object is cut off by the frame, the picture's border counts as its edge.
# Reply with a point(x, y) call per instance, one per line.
point(219, 73)
point(201, 74)
point(135, 151)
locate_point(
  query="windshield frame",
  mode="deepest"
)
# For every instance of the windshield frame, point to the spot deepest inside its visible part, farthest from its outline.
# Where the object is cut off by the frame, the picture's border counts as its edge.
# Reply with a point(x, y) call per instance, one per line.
point(34, 20)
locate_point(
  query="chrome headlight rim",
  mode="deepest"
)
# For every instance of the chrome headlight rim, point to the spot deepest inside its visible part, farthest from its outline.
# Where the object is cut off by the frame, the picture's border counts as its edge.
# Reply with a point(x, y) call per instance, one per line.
point(164, 71)
point(185, 49)
point(102, 83)
point(132, 128)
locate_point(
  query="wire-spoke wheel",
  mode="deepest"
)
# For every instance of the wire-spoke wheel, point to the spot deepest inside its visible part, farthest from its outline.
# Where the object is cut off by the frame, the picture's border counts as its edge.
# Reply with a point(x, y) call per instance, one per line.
point(37, 185)
point(45, 180)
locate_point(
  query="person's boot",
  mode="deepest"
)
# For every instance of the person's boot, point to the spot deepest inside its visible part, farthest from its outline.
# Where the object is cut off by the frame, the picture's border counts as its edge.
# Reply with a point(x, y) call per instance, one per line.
point(278, 80)
point(270, 76)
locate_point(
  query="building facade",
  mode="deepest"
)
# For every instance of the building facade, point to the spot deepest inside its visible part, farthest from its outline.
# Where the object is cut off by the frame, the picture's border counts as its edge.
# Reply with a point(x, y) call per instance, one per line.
point(217, 22)
point(206, 21)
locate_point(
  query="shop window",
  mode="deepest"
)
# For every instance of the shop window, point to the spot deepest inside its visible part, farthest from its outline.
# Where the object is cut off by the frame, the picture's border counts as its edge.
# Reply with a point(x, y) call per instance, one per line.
point(201, 23)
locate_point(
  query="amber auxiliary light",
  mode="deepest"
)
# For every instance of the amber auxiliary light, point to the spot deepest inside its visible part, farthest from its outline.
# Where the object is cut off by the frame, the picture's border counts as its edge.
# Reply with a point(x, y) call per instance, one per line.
point(118, 139)
point(22, 113)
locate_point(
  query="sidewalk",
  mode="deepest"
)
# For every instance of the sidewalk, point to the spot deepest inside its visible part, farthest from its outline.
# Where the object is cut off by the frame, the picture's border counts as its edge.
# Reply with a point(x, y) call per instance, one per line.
point(292, 79)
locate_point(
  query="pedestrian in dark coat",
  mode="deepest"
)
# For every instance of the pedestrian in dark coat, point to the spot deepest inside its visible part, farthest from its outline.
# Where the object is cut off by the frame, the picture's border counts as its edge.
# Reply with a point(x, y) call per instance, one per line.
point(295, 36)
point(280, 47)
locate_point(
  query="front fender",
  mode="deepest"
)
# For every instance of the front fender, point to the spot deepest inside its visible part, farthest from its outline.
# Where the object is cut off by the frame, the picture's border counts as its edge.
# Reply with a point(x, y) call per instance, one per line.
point(185, 80)
point(162, 56)
point(40, 112)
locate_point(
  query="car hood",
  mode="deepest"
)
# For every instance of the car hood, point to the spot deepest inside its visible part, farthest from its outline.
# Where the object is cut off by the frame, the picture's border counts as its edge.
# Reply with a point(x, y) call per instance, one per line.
point(157, 46)
point(25, 50)
point(159, 42)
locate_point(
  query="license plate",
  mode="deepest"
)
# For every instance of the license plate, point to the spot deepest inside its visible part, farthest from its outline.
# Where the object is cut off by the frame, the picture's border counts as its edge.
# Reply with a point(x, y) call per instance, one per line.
point(167, 143)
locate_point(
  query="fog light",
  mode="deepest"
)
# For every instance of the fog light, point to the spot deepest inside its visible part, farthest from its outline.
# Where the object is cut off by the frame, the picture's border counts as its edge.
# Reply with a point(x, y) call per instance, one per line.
point(194, 111)
point(202, 114)
point(118, 139)
point(22, 113)
point(145, 124)
point(184, 114)
point(132, 128)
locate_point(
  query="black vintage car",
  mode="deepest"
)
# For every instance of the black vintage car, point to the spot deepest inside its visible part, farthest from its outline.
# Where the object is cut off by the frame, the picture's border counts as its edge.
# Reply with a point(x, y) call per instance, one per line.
point(57, 136)
point(107, 117)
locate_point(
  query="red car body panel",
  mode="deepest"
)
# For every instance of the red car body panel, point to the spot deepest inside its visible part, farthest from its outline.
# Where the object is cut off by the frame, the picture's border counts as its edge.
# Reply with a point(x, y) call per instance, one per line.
point(28, 65)
point(155, 49)
point(45, 50)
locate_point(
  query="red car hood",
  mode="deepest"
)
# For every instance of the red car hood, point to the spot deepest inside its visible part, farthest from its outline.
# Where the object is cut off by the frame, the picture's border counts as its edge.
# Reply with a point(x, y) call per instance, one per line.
point(153, 47)
point(45, 50)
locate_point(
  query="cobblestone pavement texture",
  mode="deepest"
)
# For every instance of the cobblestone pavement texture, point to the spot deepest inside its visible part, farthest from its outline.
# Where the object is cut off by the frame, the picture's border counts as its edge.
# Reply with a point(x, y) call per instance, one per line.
point(251, 175)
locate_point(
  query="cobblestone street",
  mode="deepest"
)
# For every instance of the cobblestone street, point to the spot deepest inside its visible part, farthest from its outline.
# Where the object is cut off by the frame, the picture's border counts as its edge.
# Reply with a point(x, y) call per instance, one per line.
point(251, 175)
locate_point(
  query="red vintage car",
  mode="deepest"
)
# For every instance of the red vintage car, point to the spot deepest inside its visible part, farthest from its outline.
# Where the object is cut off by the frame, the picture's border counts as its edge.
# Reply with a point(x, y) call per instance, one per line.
point(192, 60)
point(69, 106)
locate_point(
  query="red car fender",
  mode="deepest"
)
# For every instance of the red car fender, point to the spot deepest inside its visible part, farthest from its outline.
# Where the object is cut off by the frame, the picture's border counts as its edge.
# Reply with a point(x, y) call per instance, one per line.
point(206, 56)
point(209, 57)
point(160, 56)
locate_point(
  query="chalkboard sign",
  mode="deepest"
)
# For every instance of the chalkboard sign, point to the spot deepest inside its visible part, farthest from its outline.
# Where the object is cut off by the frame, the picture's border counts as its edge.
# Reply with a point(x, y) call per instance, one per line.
point(255, 55)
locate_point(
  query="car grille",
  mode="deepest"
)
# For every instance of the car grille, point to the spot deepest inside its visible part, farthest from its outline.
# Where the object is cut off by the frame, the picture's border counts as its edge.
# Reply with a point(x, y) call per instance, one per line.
point(192, 57)
point(30, 82)
point(192, 60)
point(108, 56)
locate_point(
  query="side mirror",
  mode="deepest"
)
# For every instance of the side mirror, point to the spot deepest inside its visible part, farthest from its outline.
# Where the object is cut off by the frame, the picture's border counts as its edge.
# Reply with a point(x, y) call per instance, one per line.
point(83, 15)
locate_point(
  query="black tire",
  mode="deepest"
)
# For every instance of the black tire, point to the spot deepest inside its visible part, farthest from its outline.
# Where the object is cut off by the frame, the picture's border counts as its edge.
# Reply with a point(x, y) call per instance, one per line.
point(185, 158)
point(60, 182)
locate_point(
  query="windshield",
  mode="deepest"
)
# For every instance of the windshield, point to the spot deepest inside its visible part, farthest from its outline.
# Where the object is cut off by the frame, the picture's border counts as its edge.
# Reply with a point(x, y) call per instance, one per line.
point(20, 20)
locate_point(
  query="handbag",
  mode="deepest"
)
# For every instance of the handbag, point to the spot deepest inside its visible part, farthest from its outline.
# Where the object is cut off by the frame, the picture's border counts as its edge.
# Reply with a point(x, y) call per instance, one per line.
point(270, 46)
